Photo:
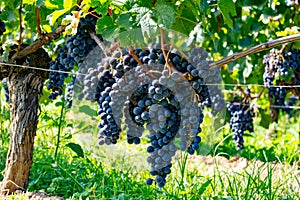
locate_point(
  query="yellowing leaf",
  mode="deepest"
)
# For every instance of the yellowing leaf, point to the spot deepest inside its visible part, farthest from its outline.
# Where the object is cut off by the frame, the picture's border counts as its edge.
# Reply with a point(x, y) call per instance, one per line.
point(29, 1)
point(56, 14)
point(49, 5)
point(68, 4)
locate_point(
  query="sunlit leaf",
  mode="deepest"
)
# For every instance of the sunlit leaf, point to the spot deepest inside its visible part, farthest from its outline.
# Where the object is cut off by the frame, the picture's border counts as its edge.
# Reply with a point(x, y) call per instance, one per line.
point(227, 8)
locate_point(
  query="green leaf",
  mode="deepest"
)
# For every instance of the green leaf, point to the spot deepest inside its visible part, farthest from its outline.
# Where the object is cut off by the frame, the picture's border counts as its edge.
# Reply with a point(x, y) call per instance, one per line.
point(59, 104)
point(39, 3)
point(265, 119)
point(66, 8)
point(8, 14)
point(88, 110)
point(203, 187)
point(124, 21)
point(106, 27)
point(29, 1)
point(228, 11)
point(185, 22)
point(204, 6)
point(131, 37)
point(76, 148)
point(53, 4)
point(165, 15)
point(144, 20)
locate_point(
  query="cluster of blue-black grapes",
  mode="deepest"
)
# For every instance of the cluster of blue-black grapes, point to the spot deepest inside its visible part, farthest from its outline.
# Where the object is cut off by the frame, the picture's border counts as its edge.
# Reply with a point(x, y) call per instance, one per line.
point(150, 95)
point(280, 68)
point(241, 119)
point(210, 93)
point(73, 52)
point(70, 92)
point(292, 100)
point(2, 28)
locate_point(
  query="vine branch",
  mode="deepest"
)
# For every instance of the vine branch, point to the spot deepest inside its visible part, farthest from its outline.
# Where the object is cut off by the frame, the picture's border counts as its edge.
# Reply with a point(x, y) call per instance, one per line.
point(46, 39)
point(255, 49)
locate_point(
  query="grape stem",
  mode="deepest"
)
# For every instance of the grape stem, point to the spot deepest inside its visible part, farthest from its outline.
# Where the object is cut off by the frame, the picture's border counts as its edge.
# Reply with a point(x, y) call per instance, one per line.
point(99, 43)
point(133, 54)
point(255, 99)
point(255, 49)
point(169, 64)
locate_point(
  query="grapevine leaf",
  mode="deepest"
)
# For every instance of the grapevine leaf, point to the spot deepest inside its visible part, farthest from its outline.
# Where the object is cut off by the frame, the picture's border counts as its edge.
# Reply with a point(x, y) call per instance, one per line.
point(165, 15)
point(131, 37)
point(148, 25)
point(124, 21)
point(39, 3)
point(144, 20)
point(228, 10)
point(8, 14)
point(53, 4)
point(106, 27)
point(29, 1)
point(185, 21)
point(204, 6)
point(265, 119)
point(76, 148)
point(88, 110)
point(66, 7)
point(69, 4)
point(56, 14)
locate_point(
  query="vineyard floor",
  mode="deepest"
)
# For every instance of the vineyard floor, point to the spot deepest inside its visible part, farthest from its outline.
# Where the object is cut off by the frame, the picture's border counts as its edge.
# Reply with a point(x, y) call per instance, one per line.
point(207, 166)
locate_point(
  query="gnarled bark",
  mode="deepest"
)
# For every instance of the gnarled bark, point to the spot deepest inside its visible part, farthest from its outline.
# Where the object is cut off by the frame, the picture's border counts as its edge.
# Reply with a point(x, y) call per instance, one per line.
point(25, 86)
point(24, 90)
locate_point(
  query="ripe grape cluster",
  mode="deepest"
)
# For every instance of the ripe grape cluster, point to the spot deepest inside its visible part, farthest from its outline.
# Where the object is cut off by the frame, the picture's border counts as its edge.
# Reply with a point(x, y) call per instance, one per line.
point(70, 92)
point(292, 100)
point(241, 119)
point(144, 90)
point(73, 52)
point(210, 94)
point(2, 28)
point(280, 68)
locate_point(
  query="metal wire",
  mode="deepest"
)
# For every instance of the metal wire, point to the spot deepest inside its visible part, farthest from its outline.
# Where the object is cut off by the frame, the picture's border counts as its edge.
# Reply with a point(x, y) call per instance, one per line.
point(217, 84)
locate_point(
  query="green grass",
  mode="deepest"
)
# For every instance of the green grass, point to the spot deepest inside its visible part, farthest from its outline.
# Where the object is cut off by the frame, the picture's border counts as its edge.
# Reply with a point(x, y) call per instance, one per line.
point(120, 171)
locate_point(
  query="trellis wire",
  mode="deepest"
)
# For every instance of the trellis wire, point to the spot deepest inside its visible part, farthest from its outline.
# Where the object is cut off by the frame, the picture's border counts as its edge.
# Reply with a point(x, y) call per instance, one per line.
point(221, 84)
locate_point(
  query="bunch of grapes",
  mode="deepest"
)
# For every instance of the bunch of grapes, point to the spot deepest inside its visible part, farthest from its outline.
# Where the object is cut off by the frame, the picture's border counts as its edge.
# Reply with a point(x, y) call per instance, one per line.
point(70, 92)
point(241, 119)
point(73, 52)
point(136, 84)
point(2, 28)
point(274, 65)
point(280, 68)
point(288, 104)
